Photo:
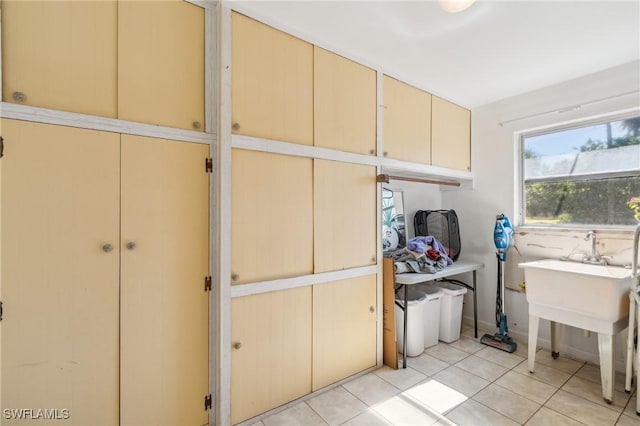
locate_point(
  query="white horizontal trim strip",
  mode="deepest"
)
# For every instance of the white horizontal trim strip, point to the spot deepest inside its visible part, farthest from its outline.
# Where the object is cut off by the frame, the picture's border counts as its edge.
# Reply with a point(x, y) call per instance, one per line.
point(391, 166)
point(298, 150)
point(303, 281)
point(72, 119)
point(584, 176)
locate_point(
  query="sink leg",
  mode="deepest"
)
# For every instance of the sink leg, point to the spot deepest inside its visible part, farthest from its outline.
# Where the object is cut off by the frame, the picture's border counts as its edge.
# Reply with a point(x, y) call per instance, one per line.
point(631, 331)
point(556, 331)
point(606, 348)
point(534, 322)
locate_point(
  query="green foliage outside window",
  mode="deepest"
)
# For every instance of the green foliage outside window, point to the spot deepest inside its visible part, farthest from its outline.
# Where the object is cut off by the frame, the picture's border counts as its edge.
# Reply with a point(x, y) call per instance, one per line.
point(588, 202)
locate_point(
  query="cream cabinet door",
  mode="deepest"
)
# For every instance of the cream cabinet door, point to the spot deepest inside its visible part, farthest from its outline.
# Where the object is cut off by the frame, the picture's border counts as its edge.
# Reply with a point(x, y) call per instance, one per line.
point(60, 55)
point(272, 83)
point(344, 99)
point(60, 196)
point(161, 63)
point(271, 350)
point(164, 308)
point(451, 135)
point(407, 122)
point(271, 216)
point(345, 234)
point(344, 329)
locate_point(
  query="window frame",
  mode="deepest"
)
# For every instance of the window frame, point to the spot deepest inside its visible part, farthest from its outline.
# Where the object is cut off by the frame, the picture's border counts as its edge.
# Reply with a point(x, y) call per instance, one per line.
point(520, 196)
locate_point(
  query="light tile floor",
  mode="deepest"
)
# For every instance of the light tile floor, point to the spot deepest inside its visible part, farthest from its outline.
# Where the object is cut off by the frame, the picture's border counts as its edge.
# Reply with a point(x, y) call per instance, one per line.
point(467, 383)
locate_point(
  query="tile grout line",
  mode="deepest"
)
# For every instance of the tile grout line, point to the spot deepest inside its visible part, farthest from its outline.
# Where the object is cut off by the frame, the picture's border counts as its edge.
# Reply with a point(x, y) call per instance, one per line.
point(540, 405)
point(314, 410)
point(560, 389)
point(494, 383)
point(370, 406)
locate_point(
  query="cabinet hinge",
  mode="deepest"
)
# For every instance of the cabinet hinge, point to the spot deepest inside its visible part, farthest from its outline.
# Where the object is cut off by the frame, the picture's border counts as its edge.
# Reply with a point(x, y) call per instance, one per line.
point(208, 165)
point(207, 402)
point(207, 283)
point(1, 146)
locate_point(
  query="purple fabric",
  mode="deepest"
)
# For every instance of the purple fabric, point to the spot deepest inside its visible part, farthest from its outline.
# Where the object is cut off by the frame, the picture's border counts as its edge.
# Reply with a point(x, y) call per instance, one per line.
point(419, 245)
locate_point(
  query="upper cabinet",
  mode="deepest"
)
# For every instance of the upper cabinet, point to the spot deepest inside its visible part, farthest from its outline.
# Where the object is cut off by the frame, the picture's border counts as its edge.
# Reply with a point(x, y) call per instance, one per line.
point(288, 90)
point(451, 135)
point(272, 83)
point(407, 122)
point(161, 63)
point(344, 107)
point(60, 55)
point(136, 61)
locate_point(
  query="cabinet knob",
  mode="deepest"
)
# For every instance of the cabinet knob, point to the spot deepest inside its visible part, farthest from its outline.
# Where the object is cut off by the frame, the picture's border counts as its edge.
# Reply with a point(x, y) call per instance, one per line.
point(384, 154)
point(372, 309)
point(373, 258)
point(107, 248)
point(236, 126)
point(237, 345)
point(372, 151)
point(196, 125)
point(131, 245)
point(235, 277)
point(19, 96)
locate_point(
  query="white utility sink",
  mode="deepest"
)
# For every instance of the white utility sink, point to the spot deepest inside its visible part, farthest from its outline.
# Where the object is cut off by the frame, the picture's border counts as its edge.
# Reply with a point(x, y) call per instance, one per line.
point(591, 297)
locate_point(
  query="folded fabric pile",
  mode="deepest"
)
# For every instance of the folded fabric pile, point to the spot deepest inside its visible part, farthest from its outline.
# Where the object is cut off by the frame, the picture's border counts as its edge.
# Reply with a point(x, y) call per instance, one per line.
point(425, 255)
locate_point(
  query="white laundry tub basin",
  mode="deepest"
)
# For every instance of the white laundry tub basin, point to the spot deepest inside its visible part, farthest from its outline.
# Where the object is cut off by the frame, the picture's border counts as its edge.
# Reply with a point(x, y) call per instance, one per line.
point(591, 297)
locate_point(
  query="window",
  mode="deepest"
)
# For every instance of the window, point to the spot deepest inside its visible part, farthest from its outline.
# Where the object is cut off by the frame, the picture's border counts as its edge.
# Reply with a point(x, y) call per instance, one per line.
point(588, 175)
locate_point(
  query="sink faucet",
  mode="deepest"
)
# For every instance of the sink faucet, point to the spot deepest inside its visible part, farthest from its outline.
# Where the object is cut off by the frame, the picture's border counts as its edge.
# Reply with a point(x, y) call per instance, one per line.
point(594, 259)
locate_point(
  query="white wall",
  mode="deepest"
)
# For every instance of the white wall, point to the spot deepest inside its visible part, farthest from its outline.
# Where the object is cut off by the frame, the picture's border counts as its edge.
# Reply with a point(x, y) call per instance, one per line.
point(494, 154)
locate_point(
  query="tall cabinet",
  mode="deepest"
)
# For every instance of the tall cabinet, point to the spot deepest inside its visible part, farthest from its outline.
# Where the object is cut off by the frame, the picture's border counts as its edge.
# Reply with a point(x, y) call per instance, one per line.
point(102, 272)
point(104, 236)
point(296, 215)
point(164, 310)
point(60, 270)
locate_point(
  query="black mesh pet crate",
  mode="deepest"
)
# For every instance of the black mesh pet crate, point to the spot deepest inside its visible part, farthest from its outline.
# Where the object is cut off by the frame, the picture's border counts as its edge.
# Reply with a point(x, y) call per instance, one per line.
point(441, 224)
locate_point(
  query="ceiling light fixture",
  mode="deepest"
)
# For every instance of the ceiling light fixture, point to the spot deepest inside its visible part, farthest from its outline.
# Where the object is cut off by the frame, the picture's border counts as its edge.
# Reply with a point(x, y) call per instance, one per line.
point(454, 6)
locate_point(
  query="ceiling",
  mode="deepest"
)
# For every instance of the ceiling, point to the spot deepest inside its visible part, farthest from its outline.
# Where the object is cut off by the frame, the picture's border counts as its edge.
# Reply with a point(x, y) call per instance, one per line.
point(491, 51)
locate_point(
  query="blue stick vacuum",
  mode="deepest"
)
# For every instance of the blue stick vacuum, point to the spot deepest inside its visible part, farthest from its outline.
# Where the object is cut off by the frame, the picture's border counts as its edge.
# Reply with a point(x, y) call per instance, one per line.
point(502, 237)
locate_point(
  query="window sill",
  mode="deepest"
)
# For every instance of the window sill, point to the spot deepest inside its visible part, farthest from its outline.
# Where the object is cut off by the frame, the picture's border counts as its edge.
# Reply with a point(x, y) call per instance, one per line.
point(560, 229)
